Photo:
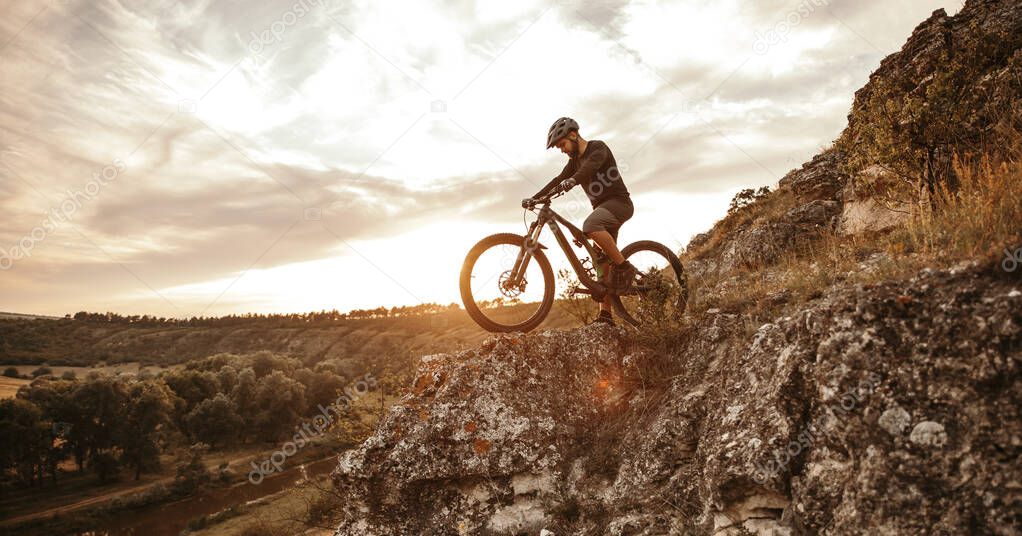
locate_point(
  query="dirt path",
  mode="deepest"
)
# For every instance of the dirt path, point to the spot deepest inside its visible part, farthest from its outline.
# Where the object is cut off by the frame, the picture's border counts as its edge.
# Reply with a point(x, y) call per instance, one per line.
point(82, 503)
point(92, 501)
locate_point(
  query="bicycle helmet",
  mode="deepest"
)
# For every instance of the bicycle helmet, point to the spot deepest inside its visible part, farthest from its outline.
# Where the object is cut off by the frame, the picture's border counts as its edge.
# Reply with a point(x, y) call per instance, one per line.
point(560, 129)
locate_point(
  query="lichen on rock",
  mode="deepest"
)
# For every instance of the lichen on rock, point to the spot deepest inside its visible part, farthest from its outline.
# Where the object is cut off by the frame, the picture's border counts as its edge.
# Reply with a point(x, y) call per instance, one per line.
point(803, 426)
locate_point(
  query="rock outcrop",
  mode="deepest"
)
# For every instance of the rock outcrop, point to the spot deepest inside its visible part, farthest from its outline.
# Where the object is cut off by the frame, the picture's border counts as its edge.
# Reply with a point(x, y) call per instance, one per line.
point(886, 410)
point(849, 178)
point(935, 45)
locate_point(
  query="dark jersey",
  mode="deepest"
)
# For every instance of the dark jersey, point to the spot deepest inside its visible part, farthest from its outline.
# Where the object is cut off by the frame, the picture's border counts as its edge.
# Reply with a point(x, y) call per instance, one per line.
point(596, 171)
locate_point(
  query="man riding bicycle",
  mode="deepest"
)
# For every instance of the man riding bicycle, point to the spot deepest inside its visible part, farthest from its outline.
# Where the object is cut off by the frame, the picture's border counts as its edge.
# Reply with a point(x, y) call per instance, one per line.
point(592, 165)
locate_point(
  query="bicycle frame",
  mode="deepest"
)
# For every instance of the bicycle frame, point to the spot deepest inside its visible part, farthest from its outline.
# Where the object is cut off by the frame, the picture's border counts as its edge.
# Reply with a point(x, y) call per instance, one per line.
point(547, 216)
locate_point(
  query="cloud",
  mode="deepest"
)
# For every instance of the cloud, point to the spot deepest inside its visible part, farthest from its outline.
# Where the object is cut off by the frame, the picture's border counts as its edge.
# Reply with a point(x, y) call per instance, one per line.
point(227, 149)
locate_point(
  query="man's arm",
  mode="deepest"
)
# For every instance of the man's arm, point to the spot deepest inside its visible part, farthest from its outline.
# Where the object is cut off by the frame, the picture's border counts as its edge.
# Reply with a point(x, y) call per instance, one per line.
point(565, 173)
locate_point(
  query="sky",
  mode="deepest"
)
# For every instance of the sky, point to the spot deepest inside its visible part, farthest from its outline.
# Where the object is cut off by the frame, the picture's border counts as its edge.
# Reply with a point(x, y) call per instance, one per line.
point(207, 158)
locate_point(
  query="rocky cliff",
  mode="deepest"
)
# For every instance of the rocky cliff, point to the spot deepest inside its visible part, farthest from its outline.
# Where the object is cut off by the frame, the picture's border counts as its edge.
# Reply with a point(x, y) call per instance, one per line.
point(890, 406)
point(954, 89)
point(887, 410)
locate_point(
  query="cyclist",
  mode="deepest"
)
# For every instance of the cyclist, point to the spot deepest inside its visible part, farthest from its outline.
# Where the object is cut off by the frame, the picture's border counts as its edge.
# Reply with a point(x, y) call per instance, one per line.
point(592, 165)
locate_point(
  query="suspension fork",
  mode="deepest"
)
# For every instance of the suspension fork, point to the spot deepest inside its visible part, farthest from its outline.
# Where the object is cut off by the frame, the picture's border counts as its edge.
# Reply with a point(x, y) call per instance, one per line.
point(529, 244)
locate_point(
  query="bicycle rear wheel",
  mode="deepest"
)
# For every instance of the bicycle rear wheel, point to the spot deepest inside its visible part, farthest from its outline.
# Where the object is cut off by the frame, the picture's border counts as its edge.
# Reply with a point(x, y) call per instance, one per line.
point(659, 291)
point(487, 294)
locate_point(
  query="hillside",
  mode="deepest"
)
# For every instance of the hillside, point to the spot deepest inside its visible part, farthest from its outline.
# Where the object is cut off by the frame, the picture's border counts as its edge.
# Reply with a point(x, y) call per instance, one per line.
point(20, 316)
point(850, 363)
point(85, 343)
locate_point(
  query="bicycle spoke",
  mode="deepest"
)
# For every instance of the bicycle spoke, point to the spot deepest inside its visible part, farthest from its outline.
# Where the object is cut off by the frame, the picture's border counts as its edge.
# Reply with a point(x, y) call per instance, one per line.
point(498, 299)
point(659, 288)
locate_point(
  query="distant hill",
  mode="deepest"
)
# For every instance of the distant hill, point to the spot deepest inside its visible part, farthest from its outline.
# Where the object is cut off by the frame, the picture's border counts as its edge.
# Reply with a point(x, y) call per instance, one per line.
point(31, 339)
point(20, 316)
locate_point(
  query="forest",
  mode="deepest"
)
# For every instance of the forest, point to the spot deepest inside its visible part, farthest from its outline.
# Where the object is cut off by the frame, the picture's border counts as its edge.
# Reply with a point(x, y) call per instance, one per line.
point(118, 426)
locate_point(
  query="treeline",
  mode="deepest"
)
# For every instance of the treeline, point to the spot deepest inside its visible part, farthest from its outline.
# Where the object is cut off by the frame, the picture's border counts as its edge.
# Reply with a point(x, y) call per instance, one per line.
point(305, 319)
point(106, 424)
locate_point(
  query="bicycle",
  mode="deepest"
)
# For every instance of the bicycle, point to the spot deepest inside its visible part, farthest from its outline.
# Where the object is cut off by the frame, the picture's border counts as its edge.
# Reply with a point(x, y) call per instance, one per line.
point(501, 293)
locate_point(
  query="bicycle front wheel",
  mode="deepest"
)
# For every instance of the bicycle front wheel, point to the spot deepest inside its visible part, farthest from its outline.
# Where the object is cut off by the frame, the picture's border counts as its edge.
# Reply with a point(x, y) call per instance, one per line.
point(496, 302)
point(659, 292)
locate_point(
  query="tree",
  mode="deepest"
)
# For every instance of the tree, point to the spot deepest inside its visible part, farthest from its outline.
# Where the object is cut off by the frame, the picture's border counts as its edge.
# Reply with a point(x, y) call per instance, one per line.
point(102, 402)
point(280, 401)
point(55, 399)
point(191, 473)
point(106, 466)
point(42, 371)
point(22, 443)
point(321, 388)
point(747, 197)
point(266, 362)
point(191, 388)
point(215, 421)
point(11, 372)
point(148, 412)
point(228, 378)
point(244, 396)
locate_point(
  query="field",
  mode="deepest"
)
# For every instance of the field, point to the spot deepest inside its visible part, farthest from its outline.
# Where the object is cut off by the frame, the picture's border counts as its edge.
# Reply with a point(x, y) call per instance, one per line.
point(9, 386)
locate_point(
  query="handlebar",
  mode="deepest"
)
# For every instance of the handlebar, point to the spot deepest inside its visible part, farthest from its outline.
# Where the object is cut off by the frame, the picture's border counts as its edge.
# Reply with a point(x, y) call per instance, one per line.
point(557, 191)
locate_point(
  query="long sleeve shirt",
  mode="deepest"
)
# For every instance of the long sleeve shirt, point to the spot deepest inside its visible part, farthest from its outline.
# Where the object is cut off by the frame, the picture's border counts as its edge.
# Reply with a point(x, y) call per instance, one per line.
point(596, 171)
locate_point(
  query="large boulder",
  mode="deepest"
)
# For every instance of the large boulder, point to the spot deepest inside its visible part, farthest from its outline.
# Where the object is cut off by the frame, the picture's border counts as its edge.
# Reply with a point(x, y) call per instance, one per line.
point(819, 179)
point(868, 403)
point(487, 439)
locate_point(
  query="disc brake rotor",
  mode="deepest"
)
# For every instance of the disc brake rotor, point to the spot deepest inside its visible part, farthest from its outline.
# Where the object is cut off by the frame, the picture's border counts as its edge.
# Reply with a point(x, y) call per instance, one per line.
point(509, 290)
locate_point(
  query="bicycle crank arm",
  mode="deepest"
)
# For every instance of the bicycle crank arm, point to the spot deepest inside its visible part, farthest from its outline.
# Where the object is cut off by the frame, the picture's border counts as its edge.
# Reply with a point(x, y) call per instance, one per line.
point(598, 292)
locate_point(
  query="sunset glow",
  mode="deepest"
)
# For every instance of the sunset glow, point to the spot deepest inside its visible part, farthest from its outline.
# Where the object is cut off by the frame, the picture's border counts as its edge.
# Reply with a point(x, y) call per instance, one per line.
point(348, 156)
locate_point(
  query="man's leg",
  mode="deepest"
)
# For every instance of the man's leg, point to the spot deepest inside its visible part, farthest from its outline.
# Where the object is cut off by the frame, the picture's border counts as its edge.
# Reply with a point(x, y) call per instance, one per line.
point(609, 246)
point(602, 227)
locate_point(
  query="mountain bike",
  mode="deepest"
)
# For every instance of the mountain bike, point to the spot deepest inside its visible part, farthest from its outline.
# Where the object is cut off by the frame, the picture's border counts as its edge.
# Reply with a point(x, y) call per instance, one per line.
point(507, 283)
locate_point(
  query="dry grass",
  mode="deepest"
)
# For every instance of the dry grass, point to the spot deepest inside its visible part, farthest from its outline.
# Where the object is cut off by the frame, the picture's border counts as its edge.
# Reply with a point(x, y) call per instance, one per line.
point(769, 208)
point(980, 220)
point(977, 221)
point(312, 507)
